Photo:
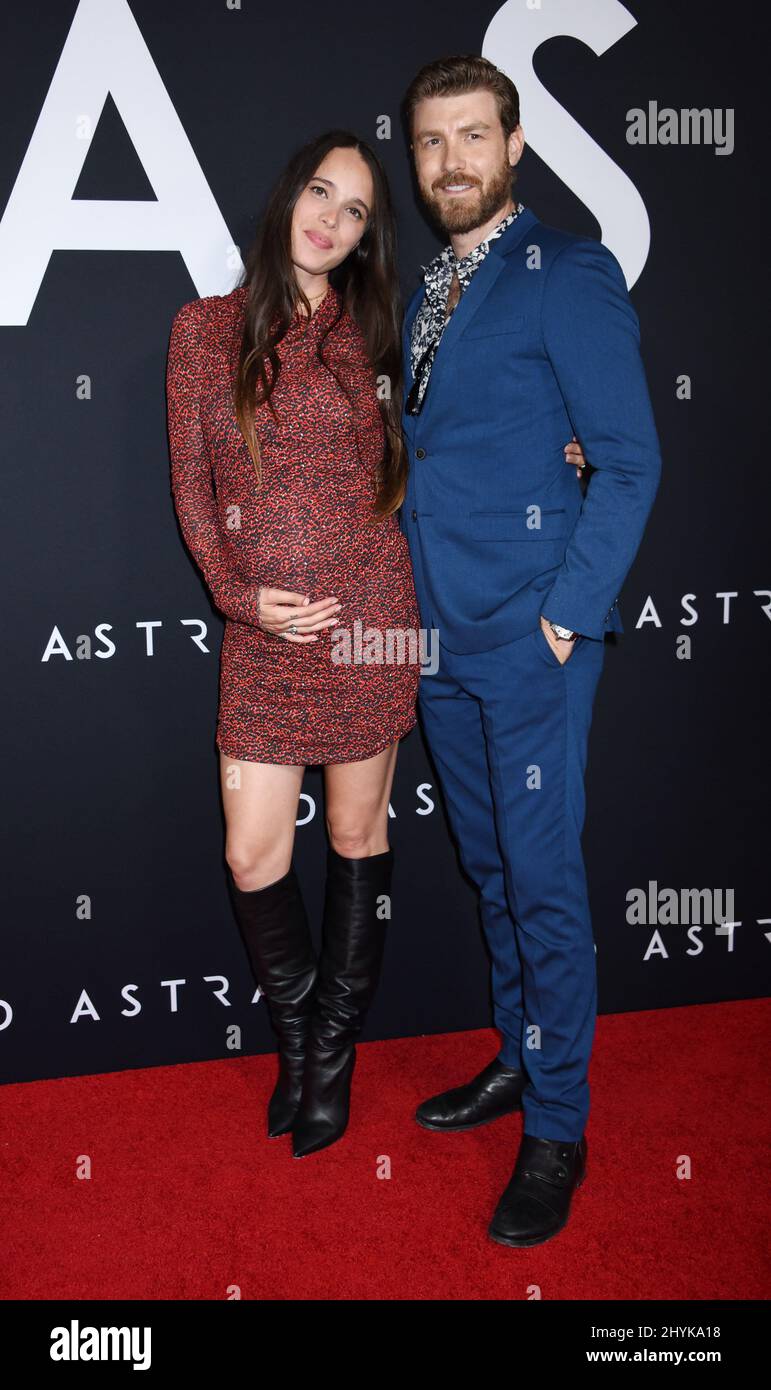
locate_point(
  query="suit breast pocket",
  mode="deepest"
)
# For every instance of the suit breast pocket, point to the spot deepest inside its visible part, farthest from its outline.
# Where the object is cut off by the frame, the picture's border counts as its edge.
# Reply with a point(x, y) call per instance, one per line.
point(494, 327)
point(517, 526)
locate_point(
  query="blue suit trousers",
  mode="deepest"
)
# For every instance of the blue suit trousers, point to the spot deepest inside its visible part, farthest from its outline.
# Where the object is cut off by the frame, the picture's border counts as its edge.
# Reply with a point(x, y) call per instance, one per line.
point(508, 729)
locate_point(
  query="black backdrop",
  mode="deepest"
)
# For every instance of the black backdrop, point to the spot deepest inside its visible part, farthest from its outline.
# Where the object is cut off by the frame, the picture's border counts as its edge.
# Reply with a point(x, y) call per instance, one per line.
point(110, 772)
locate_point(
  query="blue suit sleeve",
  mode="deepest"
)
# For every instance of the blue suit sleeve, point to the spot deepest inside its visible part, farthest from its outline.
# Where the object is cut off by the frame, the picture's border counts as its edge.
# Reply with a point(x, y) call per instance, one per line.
point(591, 334)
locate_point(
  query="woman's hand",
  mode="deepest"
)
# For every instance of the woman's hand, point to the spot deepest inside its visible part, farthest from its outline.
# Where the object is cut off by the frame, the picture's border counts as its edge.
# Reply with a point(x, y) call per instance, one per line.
point(281, 609)
point(574, 454)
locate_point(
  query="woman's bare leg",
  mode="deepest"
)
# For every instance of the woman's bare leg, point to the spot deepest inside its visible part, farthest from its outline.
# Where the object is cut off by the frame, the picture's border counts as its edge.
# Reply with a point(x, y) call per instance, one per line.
point(357, 796)
point(260, 801)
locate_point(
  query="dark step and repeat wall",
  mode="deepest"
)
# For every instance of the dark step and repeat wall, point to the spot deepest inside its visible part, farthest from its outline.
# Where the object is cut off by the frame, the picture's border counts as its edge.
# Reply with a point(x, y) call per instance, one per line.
point(138, 141)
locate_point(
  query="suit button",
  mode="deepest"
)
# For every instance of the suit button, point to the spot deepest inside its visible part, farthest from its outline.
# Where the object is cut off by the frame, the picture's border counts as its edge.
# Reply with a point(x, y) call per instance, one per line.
point(420, 453)
point(414, 514)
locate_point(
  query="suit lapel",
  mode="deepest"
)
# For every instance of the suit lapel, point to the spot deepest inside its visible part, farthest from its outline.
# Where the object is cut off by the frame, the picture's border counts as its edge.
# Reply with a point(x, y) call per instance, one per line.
point(470, 302)
point(482, 281)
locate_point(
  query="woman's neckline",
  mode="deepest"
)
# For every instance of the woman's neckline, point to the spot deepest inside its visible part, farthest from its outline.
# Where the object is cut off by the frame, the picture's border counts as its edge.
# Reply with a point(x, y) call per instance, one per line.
point(306, 318)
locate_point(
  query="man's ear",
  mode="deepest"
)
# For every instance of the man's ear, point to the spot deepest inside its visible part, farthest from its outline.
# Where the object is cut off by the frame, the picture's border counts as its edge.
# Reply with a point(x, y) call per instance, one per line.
point(516, 144)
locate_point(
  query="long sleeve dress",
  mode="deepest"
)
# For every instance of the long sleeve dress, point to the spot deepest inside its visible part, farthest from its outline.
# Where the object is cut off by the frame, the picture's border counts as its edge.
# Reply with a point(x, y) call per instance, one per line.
point(307, 529)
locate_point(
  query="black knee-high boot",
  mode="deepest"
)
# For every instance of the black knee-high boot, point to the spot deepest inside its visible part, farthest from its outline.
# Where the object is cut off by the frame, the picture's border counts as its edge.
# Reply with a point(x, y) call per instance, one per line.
point(354, 932)
point(274, 927)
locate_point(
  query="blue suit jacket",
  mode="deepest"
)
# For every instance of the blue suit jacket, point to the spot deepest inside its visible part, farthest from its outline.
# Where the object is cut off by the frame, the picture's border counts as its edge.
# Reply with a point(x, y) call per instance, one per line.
point(544, 343)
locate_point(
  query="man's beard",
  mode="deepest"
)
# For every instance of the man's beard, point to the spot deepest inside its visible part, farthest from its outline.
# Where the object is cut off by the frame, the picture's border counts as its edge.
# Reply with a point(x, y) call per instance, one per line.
point(462, 215)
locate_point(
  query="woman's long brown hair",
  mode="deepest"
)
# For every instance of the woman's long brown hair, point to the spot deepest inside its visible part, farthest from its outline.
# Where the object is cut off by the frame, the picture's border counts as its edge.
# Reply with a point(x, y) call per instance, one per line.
point(368, 284)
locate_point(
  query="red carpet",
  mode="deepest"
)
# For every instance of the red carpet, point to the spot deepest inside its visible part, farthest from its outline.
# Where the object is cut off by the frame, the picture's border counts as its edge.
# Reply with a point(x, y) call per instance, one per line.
point(188, 1199)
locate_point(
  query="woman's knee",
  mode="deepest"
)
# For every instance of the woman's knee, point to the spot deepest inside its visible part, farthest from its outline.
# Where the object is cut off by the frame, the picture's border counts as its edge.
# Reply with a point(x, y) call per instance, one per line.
point(357, 838)
point(255, 866)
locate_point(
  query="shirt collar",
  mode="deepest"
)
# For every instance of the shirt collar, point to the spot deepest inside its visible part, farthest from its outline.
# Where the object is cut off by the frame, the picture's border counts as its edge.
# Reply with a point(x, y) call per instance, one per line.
point(439, 272)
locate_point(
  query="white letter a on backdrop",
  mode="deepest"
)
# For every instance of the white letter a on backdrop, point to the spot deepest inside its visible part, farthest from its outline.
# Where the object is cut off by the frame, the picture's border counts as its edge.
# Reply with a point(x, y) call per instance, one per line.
point(105, 53)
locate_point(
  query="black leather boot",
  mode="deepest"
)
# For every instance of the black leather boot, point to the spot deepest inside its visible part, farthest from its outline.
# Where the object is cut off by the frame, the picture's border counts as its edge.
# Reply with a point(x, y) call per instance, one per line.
point(274, 927)
point(536, 1203)
point(354, 932)
point(496, 1091)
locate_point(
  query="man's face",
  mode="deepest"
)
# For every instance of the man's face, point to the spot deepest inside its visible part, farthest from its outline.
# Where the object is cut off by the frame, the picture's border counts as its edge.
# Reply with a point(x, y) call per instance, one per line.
point(462, 158)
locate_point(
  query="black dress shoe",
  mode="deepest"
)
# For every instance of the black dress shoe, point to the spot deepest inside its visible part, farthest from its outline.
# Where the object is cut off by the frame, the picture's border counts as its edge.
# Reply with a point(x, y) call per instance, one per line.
point(494, 1092)
point(536, 1203)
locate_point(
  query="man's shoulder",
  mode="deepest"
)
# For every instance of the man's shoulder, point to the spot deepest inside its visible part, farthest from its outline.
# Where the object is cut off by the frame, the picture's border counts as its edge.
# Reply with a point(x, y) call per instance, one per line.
point(573, 249)
point(553, 242)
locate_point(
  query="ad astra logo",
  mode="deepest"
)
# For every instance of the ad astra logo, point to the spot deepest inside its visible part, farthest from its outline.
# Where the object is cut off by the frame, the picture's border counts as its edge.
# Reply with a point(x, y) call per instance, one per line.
point(76, 1343)
point(105, 53)
point(654, 906)
point(649, 612)
point(86, 1009)
point(426, 804)
point(514, 35)
point(649, 906)
point(84, 646)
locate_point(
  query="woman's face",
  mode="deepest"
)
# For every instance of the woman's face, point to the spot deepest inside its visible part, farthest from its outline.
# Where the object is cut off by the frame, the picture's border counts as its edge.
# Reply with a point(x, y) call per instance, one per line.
point(332, 212)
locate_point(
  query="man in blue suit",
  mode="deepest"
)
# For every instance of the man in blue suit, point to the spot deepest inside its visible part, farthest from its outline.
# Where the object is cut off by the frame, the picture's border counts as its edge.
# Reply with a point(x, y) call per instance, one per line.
point(520, 336)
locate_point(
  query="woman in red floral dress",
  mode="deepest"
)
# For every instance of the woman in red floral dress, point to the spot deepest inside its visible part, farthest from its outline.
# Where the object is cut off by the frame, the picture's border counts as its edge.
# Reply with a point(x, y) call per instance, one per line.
point(287, 473)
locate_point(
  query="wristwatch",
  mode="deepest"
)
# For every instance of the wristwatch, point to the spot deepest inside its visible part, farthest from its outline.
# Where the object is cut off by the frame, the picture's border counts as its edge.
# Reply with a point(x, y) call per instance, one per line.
point(564, 633)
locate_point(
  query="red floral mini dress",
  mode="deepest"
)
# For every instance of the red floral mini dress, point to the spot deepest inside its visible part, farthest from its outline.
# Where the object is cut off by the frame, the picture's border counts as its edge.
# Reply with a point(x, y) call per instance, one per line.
point(308, 528)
